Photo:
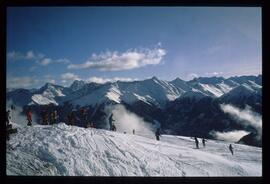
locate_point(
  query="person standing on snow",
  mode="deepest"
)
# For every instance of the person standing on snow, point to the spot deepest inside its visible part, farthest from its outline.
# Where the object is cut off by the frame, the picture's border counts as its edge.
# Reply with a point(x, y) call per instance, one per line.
point(29, 118)
point(45, 116)
point(54, 117)
point(231, 148)
point(111, 121)
point(196, 142)
point(83, 114)
point(113, 127)
point(8, 117)
point(157, 134)
point(89, 125)
point(203, 142)
point(73, 118)
point(12, 107)
point(133, 131)
point(9, 129)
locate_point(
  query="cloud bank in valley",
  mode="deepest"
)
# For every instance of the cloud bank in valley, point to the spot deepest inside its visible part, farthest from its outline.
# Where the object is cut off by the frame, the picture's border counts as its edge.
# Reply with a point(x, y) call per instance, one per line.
point(232, 136)
point(246, 116)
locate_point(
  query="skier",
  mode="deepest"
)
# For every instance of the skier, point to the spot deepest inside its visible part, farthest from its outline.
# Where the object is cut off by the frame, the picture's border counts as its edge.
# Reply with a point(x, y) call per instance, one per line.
point(9, 128)
point(29, 118)
point(157, 134)
point(12, 107)
point(51, 118)
point(45, 117)
point(110, 121)
point(113, 127)
point(69, 118)
point(231, 148)
point(8, 117)
point(83, 114)
point(133, 131)
point(72, 118)
point(196, 142)
point(203, 142)
point(54, 117)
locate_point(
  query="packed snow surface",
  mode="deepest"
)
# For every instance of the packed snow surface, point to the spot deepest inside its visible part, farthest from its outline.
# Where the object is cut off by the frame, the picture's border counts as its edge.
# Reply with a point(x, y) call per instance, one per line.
point(69, 150)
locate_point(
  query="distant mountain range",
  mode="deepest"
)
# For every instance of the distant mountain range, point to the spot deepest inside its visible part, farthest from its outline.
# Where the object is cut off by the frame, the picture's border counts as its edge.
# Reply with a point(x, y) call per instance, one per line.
point(182, 107)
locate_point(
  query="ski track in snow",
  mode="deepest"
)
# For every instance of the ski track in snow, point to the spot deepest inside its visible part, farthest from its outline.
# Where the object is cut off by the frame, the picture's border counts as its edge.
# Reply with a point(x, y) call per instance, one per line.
point(62, 150)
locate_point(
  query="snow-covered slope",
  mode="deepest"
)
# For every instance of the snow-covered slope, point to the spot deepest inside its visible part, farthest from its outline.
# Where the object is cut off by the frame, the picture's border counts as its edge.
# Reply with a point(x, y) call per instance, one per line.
point(69, 150)
point(48, 94)
point(241, 92)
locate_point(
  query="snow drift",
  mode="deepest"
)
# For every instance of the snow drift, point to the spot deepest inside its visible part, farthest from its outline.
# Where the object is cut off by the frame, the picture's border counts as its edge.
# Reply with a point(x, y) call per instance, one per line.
point(62, 150)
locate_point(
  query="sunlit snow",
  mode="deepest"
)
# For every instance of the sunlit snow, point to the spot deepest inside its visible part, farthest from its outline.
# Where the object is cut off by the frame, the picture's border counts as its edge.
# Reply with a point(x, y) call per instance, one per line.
point(68, 150)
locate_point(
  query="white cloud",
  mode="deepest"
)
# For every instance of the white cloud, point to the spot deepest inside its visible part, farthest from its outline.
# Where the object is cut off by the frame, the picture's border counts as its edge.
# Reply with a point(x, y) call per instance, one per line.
point(210, 74)
point(51, 81)
point(45, 61)
point(32, 68)
point(115, 61)
point(102, 80)
point(15, 55)
point(38, 57)
point(232, 136)
point(244, 116)
point(192, 76)
point(69, 77)
point(64, 61)
point(30, 55)
point(49, 78)
point(21, 82)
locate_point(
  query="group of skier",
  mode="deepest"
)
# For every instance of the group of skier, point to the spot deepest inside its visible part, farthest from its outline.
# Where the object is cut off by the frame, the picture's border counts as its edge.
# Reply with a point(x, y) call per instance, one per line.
point(50, 117)
point(197, 142)
point(203, 142)
point(72, 119)
point(158, 134)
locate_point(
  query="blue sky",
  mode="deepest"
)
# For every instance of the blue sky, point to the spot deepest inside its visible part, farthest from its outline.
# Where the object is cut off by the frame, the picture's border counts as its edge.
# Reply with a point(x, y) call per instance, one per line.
point(61, 44)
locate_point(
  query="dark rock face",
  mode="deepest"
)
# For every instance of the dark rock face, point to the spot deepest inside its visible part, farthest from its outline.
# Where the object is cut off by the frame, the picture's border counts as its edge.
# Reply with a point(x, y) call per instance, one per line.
point(252, 139)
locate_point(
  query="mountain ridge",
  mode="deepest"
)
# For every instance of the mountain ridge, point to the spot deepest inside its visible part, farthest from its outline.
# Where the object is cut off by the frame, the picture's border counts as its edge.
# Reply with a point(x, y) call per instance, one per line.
point(159, 90)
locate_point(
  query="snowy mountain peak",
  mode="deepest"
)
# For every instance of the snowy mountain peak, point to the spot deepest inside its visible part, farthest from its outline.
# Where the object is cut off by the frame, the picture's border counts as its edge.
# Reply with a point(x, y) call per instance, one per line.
point(151, 90)
point(209, 80)
point(239, 92)
point(154, 78)
point(177, 79)
point(77, 85)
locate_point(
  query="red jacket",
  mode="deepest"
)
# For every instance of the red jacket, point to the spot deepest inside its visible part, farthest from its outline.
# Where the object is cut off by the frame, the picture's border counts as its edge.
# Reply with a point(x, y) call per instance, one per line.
point(29, 115)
